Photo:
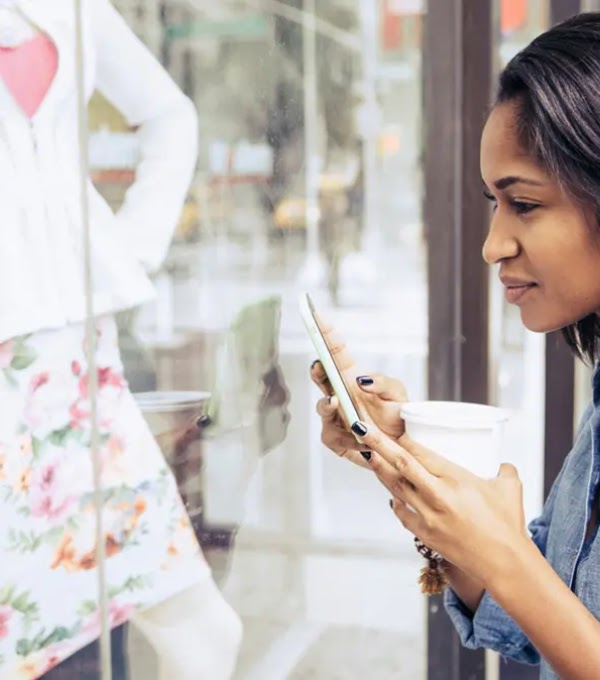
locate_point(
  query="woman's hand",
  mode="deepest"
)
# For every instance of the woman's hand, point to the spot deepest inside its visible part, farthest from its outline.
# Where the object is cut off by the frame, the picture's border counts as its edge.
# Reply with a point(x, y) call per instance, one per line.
point(379, 398)
point(478, 524)
point(475, 523)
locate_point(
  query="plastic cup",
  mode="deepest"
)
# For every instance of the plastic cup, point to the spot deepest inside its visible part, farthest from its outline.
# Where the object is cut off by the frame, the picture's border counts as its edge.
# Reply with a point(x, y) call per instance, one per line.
point(166, 411)
point(172, 418)
point(469, 435)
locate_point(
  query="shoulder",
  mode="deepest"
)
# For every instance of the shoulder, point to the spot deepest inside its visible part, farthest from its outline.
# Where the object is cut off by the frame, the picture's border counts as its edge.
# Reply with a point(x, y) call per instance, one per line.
point(585, 419)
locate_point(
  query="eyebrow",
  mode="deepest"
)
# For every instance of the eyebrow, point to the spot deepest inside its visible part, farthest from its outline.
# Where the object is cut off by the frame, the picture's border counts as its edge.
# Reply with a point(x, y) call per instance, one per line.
point(506, 182)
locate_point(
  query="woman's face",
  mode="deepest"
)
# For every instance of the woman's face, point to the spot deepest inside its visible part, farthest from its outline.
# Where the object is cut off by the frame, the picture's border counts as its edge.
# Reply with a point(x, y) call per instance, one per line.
point(547, 245)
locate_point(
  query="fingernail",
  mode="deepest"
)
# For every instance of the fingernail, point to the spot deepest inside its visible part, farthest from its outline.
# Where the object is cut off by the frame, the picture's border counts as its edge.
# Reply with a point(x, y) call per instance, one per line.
point(364, 380)
point(359, 429)
point(329, 398)
point(366, 455)
point(203, 421)
point(314, 363)
point(391, 504)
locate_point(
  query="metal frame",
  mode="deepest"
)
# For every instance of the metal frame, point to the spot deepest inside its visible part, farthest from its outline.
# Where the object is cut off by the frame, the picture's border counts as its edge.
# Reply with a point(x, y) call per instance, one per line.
point(457, 88)
point(457, 71)
point(559, 407)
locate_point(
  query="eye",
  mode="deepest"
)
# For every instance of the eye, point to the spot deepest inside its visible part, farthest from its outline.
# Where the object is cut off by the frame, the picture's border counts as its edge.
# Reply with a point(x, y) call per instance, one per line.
point(491, 199)
point(522, 208)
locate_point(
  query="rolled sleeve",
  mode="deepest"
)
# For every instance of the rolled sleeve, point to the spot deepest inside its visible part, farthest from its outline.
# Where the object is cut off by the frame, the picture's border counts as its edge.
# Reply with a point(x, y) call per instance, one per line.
point(490, 628)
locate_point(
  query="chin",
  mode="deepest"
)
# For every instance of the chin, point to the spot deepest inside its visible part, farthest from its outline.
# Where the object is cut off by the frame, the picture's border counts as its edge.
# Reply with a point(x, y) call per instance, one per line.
point(540, 323)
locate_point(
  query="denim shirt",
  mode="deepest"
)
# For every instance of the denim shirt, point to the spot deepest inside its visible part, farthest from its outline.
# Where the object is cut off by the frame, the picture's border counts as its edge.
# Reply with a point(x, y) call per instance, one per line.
point(560, 535)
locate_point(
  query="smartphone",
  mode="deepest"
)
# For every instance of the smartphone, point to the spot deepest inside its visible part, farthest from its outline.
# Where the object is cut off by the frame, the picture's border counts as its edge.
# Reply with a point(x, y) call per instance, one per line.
point(311, 321)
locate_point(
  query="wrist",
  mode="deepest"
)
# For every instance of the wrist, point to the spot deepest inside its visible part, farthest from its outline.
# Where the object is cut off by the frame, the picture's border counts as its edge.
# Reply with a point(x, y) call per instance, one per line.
point(518, 559)
point(468, 589)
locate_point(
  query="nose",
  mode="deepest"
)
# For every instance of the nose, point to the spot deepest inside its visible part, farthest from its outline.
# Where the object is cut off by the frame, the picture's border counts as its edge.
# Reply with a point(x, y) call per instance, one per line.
point(501, 243)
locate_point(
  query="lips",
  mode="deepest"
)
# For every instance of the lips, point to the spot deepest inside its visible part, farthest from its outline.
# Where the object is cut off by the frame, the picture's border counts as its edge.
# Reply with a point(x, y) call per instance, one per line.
point(515, 294)
point(516, 289)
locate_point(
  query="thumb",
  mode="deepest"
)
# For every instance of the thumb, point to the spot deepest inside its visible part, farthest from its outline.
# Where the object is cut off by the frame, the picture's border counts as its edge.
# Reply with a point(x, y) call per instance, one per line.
point(508, 471)
point(386, 388)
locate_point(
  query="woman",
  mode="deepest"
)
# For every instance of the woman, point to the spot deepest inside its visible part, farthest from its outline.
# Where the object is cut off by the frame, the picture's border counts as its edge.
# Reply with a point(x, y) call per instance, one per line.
point(156, 575)
point(532, 596)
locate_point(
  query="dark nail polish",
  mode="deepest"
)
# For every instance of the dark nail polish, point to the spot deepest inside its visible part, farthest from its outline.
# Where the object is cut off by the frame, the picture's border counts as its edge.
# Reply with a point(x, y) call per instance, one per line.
point(366, 455)
point(203, 421)
point(359, 429)
point(329, 398)
point(314, 363)
point(364, 380)
point(391, 504)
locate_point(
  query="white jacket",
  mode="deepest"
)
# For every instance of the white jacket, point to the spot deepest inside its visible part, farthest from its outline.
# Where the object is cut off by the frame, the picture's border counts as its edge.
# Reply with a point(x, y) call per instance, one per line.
point(41, 235)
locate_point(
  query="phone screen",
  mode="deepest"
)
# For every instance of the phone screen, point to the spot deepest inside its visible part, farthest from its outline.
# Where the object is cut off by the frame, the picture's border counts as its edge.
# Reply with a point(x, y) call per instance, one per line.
point(323, 337)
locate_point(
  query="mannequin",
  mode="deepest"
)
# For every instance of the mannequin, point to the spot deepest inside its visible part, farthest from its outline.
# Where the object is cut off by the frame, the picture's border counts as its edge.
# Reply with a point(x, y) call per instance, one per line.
point(157, 577)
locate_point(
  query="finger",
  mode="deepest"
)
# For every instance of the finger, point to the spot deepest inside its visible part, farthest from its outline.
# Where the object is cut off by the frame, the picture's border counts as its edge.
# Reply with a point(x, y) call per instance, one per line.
point(334, 434)
point(434, 463)
point(386, 388)
point(356, 457)
point(319, 377)
point(342, 357)
point(327, 408)
point(330, 412)
point(395, 483)
point(387, 474)
point(203, 422)
point(508, 471)
point(408, 518)
point(344, 445)
point(406, 464)
point(387, 455)
point(340, 441)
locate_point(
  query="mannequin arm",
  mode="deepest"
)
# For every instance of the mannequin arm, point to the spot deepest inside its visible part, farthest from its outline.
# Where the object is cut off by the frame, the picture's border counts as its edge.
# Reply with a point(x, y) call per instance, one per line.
point(129, 76)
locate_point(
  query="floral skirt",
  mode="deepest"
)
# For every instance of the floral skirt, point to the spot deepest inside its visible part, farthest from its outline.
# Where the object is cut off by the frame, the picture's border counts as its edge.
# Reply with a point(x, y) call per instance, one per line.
point(48, 575)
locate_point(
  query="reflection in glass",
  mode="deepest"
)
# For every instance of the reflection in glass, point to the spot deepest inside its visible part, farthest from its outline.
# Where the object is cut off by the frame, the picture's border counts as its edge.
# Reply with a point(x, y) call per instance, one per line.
point(307, 176)
point(66, 403)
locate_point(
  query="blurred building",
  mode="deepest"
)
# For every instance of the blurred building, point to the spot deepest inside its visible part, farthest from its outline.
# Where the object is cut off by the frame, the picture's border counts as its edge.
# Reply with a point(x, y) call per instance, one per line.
point(144, 16)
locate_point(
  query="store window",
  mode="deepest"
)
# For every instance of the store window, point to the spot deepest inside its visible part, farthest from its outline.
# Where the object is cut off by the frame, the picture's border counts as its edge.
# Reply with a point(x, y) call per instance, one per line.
point(250, 150)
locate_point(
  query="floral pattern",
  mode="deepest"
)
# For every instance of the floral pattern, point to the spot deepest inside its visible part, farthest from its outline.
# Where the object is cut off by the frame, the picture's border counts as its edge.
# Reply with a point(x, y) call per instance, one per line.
point(48, 590)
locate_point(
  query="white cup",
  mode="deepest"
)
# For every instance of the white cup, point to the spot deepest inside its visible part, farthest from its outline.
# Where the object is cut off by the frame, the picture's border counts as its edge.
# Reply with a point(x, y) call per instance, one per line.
point(469, 435)
point(166, 411)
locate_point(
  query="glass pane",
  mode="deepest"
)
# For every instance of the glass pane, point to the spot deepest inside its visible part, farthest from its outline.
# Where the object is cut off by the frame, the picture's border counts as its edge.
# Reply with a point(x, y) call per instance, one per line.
point(239, 153)
point(307, 177)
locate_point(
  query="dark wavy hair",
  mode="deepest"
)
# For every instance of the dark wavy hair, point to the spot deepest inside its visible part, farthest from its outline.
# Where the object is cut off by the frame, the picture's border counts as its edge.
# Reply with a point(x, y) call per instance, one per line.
point(555, 82)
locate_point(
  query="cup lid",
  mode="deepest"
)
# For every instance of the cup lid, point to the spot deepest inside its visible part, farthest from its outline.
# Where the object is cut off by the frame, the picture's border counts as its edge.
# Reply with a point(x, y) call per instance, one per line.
point(167, 401)
point(453, 414)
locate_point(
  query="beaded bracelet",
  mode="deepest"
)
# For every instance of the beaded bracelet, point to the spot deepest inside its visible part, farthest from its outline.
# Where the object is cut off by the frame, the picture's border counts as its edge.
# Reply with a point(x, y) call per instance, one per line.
point(433, 579)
